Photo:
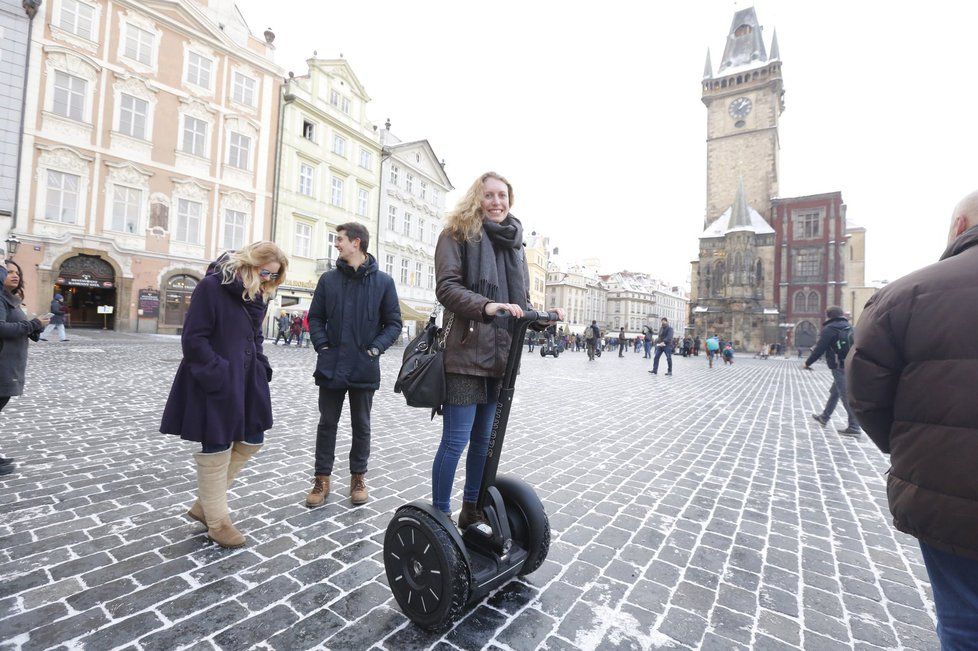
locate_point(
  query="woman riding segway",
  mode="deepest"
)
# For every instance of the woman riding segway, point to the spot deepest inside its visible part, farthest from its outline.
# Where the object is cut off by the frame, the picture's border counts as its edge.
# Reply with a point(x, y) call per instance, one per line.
point(481, 273)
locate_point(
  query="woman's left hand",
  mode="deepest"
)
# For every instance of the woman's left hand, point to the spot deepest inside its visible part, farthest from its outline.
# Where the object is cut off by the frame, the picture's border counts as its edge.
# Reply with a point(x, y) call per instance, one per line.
point(560, 313)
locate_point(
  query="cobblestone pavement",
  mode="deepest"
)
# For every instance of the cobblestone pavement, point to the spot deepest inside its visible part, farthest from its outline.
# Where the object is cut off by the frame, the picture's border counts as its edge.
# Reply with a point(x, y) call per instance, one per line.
point(705, 510)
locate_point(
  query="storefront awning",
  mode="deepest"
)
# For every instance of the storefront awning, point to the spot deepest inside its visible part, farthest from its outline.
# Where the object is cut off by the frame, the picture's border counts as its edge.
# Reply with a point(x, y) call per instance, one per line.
point(409, 313)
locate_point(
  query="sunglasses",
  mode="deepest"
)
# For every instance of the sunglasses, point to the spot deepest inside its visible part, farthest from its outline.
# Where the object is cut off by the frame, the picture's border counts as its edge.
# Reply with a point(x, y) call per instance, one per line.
point(267, 275)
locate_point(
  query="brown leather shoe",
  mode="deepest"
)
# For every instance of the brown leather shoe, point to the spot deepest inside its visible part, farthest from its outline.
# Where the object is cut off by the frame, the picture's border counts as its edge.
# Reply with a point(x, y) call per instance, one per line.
point(470, 514)
point(225, 535)
point(320, 490)
point(358, 489)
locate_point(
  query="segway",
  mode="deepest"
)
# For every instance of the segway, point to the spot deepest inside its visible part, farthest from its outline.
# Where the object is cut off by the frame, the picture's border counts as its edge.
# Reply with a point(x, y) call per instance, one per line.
point(434, 571)
point(550, 348)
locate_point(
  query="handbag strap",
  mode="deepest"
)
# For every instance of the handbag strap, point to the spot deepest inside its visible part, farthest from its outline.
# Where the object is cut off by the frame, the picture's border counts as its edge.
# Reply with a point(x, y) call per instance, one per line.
point(446, 330)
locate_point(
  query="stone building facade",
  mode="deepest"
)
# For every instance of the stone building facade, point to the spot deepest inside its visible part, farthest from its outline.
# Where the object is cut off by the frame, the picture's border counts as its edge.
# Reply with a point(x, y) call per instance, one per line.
point(537, 248)
point(148, 150)
point(15, 24)
point(579, 290)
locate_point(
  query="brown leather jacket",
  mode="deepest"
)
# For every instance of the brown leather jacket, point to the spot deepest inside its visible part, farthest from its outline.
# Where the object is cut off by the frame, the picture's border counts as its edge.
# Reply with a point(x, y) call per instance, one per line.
point(911, 380)
point(476, 345)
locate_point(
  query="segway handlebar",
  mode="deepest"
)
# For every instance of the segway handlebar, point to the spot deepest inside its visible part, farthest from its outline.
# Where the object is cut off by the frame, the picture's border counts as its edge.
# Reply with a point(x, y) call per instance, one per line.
point(531, 316)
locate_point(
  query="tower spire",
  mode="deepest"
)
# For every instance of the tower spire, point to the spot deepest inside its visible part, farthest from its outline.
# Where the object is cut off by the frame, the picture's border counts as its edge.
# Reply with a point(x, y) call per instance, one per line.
point(740, 215)
point(708, 69)
point(775, 51)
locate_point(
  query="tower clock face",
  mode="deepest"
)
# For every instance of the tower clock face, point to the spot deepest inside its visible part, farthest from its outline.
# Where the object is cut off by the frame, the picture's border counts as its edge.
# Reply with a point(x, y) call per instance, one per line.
point(740, 107)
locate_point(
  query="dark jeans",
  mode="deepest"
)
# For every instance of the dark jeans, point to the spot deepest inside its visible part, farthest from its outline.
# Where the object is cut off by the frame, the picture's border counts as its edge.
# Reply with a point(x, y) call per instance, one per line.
point(658, 353)
point(3, 401)
point(254, 439)
point(954, 581)
point(648, 349)
point(461, 425)
point(282, 334)
point(837, 393)
point(330, 407)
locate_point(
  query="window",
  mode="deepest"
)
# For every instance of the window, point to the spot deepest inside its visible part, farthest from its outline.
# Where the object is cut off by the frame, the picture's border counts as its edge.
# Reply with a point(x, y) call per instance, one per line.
point(77, 18)
point(407, 224)
point(417, 274)
point(404, 272)
point(434, 232)
point(239, 151)
point(62, 198)
point(234, 229)
point(243, 89)
point(366, 159)
point(305, 179)
point(194, 136)
point(814, 303)
point(799, 303)
point(337, 195)
point(808, 263)
point(435, 198)
point(389, 265)
point(69, 96)
point(139, 45)
point(339, 145)
point(808, 226)
point(362, 202)
point(345, 105)
point(125, 208)
point(394, 174)
point(421, 228)
point(392, 218)
point(334, 98)
point(331, 248)
point(132, 116)
point(409, 183)
point(198, 70)
point(424, 190)
point(302, 244)
point(308, 130)
point(188, 221)
point(431, 276)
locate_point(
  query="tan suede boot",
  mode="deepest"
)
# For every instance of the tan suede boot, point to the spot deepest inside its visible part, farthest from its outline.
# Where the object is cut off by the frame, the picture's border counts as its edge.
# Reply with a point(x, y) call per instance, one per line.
point(212, 491)
point(319, 492)
point(358, 489)
point(470, 514)
point(240, 454)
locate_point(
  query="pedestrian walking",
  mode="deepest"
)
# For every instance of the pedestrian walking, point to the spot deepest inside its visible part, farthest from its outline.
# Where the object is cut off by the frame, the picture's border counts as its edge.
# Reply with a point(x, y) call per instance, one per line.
point(353, 319)
point(696, 347)
point(220, 396)
point(481, 269)
point(911, 385)
point(284, 329)
point(834, 341)
point(15, 330)
point(295, 330)
point(663, 345)
point(712, 349)
point(58, 312)
point(647, 333)
point(592, 338)
point(622, 342)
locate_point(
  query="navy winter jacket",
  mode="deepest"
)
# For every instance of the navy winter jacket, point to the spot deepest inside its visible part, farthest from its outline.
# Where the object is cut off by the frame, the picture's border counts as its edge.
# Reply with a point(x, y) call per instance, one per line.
point(832, 331)
point(353, 311)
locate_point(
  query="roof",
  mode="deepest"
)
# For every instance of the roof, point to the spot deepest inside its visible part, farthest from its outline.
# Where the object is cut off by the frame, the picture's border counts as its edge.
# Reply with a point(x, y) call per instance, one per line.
point(745, 43)
point(721, 226)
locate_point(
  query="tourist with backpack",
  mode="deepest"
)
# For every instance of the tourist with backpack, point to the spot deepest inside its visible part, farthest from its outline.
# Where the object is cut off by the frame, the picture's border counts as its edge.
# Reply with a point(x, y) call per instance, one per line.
point(834, 342)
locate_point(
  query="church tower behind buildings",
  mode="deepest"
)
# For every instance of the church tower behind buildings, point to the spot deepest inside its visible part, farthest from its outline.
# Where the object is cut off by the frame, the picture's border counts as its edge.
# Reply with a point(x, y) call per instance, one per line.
point(744, 100)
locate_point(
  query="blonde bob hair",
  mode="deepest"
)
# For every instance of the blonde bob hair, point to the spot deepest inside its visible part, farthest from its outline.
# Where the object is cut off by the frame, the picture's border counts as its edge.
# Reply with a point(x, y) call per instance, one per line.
point(465, 221)
point(245, 263)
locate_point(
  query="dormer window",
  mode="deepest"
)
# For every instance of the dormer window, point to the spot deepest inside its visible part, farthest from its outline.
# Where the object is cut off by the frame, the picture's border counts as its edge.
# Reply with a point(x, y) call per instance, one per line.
point(743, 30)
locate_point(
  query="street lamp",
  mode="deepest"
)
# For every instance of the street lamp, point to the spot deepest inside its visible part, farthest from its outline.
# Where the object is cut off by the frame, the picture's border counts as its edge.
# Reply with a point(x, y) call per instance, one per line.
point(12, 243)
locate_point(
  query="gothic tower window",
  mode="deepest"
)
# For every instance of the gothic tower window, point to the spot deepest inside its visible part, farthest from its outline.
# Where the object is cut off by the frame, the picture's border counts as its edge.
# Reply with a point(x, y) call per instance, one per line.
point(799, 302)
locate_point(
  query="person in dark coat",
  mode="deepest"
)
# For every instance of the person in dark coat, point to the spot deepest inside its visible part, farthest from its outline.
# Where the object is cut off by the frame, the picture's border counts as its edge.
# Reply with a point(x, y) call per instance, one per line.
point(835, 331)
point(353, 319)
point(664, 345)
point(481, 269)
point(911, 378)
point(220, 396)
point(58, 312)
point(15, 330)
point(284, 329)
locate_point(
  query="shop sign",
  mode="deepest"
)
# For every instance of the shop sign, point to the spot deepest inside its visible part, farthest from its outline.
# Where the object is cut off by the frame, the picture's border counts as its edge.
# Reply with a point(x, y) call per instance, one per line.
point(149, 303)
point(84, 280)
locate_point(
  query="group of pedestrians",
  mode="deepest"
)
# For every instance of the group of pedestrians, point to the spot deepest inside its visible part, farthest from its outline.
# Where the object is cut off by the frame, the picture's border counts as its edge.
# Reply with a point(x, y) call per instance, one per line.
point(292, 327)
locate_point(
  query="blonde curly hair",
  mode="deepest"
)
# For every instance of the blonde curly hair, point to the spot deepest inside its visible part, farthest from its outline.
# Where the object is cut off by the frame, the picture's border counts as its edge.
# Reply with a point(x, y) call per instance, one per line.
point(465, 221)
point(244, 263)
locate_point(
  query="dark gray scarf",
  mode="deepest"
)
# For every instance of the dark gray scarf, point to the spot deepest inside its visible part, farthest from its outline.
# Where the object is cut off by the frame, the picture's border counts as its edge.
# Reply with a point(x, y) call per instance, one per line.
point(494, 263)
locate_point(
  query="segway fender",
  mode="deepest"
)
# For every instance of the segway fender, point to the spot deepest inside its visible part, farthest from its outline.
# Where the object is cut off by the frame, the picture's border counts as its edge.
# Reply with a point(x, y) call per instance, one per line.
point(445, 522)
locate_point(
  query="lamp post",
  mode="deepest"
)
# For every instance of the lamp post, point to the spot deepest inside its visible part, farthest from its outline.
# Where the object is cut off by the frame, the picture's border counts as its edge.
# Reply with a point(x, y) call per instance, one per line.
point(12, 243)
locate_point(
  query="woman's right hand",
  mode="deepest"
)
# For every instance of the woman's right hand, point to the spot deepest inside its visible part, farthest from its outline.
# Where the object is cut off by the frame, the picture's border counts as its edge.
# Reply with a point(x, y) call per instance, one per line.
point(512, 308)
point(45, 320)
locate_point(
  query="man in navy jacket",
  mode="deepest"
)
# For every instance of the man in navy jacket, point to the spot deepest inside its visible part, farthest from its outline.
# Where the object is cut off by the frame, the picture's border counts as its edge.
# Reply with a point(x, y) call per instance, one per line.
point(353, 319)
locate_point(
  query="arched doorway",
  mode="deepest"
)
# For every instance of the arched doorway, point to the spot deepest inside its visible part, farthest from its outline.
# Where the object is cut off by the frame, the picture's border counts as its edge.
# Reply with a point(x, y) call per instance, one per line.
point(176, 298)
point(805, 335)
point(87, 283)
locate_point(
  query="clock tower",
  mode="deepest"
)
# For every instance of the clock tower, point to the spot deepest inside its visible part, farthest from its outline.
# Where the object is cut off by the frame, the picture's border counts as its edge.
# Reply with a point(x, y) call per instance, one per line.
point(744, 101)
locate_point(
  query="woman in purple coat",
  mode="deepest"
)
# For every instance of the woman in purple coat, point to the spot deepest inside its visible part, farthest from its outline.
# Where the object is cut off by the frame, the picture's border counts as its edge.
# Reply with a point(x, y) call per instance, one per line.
point(220, 396)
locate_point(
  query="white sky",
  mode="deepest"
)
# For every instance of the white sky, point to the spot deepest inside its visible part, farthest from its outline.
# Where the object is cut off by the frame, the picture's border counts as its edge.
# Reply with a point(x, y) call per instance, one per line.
point(592, 109)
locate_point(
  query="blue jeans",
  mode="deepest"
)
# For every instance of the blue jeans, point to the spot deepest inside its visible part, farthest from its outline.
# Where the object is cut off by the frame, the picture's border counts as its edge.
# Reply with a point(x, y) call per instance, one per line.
point(836, 393)
point(461, 425)
point(253, 439)
point(658, 353)
point(954, 581)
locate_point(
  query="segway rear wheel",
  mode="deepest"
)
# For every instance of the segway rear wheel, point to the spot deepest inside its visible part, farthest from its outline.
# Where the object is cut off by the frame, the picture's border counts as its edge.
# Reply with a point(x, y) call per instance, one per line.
point(426, 571)
point(543, 351)
point(528, 521)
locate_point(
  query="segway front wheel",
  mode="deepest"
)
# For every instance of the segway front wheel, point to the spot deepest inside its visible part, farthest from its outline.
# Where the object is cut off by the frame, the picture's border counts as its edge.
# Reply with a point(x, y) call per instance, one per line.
point(556, 352)
point(528, 520)
point(425, 570)
point(543, 351)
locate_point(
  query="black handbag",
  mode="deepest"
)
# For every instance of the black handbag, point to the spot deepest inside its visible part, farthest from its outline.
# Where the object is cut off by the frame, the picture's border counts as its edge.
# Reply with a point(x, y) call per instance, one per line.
point(421, 379)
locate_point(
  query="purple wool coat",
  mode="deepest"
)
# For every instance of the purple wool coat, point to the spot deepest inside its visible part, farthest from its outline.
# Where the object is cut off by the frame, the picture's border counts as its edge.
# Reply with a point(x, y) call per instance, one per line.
point(220, 393)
